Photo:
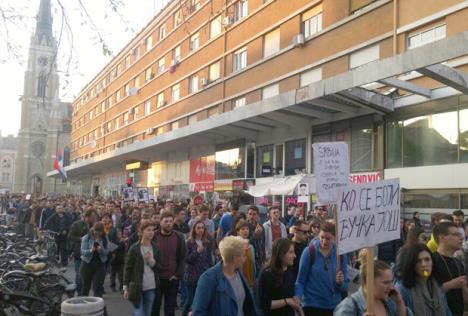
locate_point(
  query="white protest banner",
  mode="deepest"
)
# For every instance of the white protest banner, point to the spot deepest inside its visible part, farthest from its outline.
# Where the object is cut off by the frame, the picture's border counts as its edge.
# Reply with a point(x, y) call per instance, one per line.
point(127, 193)
point(368, 214)
point(331, 169)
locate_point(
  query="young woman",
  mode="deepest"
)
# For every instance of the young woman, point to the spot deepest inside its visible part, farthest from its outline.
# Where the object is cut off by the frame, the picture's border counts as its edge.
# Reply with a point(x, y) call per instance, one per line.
point(420, 291)
point(141, 278)
point(276, 283)
point(199, 259)
point(222, 290)
point(387, 300)
point(321, 282)
point(248, 269)
point(94, 255)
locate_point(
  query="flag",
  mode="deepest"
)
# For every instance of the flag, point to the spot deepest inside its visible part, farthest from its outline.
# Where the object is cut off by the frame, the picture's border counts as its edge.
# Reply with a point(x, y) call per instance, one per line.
point(58, 164)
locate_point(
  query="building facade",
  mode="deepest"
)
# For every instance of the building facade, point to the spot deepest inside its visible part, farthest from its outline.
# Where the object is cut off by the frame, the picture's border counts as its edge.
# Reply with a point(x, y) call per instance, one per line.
point(8, 146)
point(45, 120)
point(213, 95)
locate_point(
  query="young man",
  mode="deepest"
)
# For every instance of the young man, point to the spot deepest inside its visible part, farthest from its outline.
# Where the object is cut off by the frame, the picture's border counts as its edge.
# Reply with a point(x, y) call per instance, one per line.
point(256, 235)
point(60, 223)
point(179, 221)
point(300, 237)
point(274, 229)
point(227, 222)
point(448, 270)
point(172, 246)
point(203, 215)
point(459, 219)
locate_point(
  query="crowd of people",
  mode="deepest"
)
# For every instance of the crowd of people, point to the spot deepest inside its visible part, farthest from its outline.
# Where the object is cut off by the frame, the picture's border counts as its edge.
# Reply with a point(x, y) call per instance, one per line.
point(208, 260)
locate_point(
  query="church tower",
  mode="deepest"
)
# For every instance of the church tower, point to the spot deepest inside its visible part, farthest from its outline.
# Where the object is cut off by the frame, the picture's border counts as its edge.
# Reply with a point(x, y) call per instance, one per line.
point(45, 121)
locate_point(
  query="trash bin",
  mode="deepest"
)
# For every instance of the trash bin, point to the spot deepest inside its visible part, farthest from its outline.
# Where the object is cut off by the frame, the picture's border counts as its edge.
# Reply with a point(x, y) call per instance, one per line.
point(83, 306)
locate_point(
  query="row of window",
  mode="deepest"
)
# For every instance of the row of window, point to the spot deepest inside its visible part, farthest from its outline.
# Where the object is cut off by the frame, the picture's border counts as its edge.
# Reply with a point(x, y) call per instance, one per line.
point(271, 46)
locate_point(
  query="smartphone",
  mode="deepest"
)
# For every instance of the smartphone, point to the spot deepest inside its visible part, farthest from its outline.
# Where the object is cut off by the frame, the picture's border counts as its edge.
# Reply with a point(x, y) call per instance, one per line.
point(392, 292)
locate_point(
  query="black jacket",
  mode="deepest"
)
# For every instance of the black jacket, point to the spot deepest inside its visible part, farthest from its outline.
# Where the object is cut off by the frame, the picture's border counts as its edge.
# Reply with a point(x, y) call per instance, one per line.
point(134, 269)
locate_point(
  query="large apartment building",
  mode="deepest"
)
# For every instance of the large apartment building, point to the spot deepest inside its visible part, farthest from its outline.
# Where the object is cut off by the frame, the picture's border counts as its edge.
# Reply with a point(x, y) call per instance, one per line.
point(212, 92)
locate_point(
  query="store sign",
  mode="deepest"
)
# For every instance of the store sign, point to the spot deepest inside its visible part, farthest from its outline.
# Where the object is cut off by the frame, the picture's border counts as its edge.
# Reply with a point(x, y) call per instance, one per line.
point(223, 185)
point(242, 185)
point(202, 172)
point(365, 177)
point(202, 187)
point(138, 165)
point(202, 169)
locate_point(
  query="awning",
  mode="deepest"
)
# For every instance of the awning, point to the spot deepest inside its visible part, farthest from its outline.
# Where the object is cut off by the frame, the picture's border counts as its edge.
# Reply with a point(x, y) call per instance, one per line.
point(279, 186)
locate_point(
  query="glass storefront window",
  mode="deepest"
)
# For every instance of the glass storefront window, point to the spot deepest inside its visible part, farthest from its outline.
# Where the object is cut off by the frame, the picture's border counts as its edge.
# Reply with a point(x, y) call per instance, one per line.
point(264, 159)
point(361, 144)
point(230, 163)
point(430, 140)
point(394, 144)
point(250, 160)
point(463, 135)
point(431, 199)
point(279, 158)
point(295, 156)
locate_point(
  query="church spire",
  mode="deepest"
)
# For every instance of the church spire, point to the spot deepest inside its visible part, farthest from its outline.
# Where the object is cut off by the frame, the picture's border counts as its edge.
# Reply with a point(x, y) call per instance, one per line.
point(44, 20)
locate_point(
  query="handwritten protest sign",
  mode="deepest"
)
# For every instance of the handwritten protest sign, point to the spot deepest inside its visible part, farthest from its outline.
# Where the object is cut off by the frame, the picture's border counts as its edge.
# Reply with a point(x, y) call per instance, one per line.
point(368, 214)
point(331, 169)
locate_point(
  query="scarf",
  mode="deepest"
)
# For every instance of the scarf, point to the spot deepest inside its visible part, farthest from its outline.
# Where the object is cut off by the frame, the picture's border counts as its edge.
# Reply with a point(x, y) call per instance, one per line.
point(425, 302)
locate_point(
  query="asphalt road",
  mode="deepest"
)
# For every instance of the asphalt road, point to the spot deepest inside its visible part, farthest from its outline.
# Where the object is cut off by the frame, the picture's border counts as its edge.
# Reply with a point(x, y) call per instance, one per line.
point(115, 304)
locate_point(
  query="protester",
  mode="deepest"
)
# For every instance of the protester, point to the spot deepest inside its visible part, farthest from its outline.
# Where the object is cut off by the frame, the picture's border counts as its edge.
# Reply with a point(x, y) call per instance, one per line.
point(199, 259)
point(94, 255)
point(248, 268)
point(274, 229)
point(321, 282)
point(438, 218)
point(179, 222)
point(448, 270)
point(142, 267)
point(203, 215)
point(300, 239)
point(60, 223)
point(417, 286)
point(227, 222)
point(222, 289)
point(256, 236)
point(387, 299)
point(116, 252)
point(459, 219)
point(275, 285)
point(77, 230)
point(172, 247)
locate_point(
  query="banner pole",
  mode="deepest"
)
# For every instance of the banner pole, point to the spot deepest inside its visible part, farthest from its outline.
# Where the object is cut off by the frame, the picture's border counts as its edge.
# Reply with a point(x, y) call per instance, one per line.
point(335, 216)
point(370, 280)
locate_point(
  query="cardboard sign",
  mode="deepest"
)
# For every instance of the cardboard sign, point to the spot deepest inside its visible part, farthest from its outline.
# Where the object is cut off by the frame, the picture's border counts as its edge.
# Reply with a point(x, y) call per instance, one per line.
point(368, 214)
point(331, 169)
point(198, 200)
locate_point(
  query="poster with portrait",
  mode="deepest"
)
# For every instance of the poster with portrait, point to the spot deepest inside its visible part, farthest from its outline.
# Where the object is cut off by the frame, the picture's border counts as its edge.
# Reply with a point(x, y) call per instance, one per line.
point(127, 194)
point(303, 193)
point(143, 195)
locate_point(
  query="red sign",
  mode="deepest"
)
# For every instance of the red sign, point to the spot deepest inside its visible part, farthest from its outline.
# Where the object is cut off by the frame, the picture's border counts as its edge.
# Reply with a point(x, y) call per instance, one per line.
point(203, 187)
point(198, 200)
point(202, 169)
point(365, 177)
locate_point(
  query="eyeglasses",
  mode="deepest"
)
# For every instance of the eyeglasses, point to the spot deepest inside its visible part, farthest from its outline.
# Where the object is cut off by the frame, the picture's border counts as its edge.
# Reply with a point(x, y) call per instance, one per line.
point(303, 231)
point(458, 234)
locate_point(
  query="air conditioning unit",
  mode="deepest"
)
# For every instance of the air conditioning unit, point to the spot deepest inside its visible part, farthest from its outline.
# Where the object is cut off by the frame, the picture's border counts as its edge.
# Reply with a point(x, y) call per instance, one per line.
point(150, 130)
point(132, 91)
point(228, 20)
point(163, 103)
point(175, 62)
point(204, 81)
point(131, 111)
point(298, 40)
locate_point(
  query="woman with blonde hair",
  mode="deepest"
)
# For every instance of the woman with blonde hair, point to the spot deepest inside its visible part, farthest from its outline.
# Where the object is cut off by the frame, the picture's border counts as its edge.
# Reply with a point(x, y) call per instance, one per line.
point(222, 289)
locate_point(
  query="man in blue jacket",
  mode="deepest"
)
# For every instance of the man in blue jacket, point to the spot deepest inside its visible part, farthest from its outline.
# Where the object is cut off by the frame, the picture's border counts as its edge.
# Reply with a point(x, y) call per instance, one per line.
point(60, 223)
point(321, 282)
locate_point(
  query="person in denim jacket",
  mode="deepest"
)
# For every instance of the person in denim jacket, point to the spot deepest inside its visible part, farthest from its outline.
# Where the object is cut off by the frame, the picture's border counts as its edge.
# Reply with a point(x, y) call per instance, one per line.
point(222, 290)
point(387, 299)
point(94, 254)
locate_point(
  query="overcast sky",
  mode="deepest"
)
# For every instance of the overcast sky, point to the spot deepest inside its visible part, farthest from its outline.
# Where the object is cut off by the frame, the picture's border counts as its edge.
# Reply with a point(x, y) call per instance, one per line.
point(88, 56)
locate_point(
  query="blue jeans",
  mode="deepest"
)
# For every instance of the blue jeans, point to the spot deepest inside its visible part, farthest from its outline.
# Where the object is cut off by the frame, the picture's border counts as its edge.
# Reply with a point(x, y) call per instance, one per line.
point(146, 303)
point(78, 276)
point(190, 295)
